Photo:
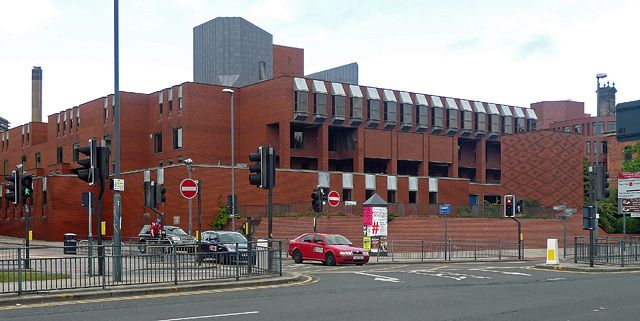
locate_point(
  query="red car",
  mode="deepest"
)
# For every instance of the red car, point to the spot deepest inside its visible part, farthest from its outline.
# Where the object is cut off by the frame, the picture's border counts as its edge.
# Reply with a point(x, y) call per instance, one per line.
point(330, 249)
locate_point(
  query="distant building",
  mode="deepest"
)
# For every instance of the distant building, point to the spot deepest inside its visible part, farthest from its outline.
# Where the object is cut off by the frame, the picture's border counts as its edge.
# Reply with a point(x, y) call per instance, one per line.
point(347, 74)
point(4, 124)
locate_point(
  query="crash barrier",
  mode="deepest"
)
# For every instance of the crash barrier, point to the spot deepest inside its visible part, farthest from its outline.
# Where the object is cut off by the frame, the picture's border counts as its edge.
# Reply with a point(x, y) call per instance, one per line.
point(608, 251)
point(158, 264)
point(450, 250)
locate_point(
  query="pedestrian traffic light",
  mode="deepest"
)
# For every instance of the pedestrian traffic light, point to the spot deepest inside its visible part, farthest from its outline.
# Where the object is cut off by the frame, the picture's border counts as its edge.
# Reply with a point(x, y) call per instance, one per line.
point(88, 171)
point(602, 183)
point(26, 187)
point(316, 200)
point(13, 187)
point(258, 171)
point(161, 192)
point(509, 206)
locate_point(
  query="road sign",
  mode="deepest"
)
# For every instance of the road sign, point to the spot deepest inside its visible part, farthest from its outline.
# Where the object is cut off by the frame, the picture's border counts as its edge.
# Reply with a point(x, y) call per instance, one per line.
point(629, 185)
point(571, 211)
point(559, 207)
point(445, 209)
point(630, 205)
point(333, 198)
point(188, 188)
point(118, 184)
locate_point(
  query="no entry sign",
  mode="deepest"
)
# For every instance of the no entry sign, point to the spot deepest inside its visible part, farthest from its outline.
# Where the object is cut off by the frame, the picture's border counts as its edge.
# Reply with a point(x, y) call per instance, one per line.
point(333, 198)
point(188, 188)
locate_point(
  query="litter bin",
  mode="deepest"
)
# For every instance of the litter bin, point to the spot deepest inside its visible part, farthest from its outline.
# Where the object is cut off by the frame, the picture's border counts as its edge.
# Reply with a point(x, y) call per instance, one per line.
point(70, 243)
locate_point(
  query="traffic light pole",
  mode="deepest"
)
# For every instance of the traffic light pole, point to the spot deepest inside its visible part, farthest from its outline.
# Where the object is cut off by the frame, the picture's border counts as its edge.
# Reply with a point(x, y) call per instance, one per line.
point(26, 238)
point(519, 238)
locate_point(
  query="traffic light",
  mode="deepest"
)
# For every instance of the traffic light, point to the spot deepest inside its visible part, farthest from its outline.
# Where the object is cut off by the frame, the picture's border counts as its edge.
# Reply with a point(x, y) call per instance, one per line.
point(26, 187)
point(519, 205)
point(316, 200)
point(89, 170)
point(160, 192)
point(589, 217)
point(13, 187)
point(258, 170)
point(602, 183)
point(509, 206)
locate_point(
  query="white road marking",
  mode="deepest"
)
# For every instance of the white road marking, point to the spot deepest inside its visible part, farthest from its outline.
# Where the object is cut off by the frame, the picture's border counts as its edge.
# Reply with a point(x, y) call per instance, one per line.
point(212, 316)
point(380, 277)
point(450, 275)
point(501, 272)
point(556, 279)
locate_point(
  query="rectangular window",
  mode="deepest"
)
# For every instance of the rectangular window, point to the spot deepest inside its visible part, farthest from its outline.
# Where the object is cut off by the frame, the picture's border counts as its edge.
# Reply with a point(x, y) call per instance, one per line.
point(373, 109)
point(413, 197)
point(520, 125)
point(507, 125)
point(76, 153)
point(467, 121)
point(368, 193)
point(157, 142)
point(170, 107)
point(391, 196)
point(437, 115)
point(481, 123)
point(38, 160)
point(59, 155)
point(179, 103)
point(24, 162)
point(71, 123)
point(407, 113)
point(5, 165)
point(422, 116)
point(338, 106)
point(390, 111)
point(595, 147)
point(297, 139)
point(433, 198)
point(301, 101)
point(452, 118)
point(356, 108)
point(320, 102)
point(177, 138)
point(160, 108)
point(605, 148)
point(107, 141)
point(58, 129)
point(611, 126)
point(494, 125)
point(347, 194)
point(577, 129)
point(588, 149)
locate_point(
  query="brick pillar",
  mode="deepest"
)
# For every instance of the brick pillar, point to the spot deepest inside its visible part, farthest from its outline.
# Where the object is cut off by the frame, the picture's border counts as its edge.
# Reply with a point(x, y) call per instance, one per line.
point(284, 144)
point(481, 161)
point(323, 142)
point(424, 167)
point(392, 168)
point(358, 161)
point(453, 169)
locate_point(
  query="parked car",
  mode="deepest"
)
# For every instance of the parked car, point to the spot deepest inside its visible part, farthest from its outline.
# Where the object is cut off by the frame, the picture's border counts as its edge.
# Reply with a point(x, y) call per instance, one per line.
point(330, 249)
point(171, 235)
point(222, 246)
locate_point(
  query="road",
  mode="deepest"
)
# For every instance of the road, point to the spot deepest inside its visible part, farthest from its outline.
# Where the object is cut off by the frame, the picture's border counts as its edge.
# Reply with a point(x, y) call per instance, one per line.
point(482, 291)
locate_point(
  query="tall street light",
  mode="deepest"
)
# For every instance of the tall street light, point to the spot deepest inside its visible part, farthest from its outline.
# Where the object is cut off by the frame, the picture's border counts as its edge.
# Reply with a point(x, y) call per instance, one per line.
point(233, 166)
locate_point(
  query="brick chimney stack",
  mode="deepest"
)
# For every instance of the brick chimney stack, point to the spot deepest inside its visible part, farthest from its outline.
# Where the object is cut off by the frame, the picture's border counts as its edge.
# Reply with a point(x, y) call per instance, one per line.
point(36, 94)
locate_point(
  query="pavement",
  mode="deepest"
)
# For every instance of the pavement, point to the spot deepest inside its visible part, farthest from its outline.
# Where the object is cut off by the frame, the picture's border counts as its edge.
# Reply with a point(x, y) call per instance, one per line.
point(11, 299)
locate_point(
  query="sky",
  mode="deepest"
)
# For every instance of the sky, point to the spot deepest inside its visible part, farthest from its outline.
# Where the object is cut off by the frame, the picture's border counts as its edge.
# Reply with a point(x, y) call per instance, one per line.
point(510, 52)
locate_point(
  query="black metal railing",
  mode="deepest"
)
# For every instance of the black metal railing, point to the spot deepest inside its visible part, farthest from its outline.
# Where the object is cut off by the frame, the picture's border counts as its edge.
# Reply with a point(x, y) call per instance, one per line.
point(158, 264)
point(608, 251)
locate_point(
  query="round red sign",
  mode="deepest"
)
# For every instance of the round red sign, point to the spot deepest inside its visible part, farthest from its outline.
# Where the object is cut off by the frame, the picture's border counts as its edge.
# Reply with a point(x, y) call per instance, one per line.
point(188, 188)
point(333, 198)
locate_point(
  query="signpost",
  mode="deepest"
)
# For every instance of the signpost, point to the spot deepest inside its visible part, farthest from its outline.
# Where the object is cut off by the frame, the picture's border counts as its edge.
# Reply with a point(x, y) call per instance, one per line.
point(628, 196)
point(445, 210)
point(333, 198)
point(188, 188)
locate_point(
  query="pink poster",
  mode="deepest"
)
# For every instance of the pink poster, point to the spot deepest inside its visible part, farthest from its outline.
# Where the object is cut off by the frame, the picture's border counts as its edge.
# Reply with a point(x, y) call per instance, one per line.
point(367, 216)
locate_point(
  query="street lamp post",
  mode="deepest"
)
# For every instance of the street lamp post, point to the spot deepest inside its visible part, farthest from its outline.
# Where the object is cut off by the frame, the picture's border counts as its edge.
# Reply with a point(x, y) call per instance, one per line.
point(189, 163)
point(233, 166)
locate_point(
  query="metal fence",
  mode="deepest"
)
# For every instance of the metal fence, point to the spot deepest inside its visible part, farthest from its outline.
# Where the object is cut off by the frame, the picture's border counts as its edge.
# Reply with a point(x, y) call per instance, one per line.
point(608, 251)
point(422, 250)
point(158, 264)
point(397, 209)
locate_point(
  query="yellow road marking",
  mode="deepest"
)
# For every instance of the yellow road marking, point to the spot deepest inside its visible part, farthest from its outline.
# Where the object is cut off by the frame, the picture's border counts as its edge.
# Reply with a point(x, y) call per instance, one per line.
point(308, 280)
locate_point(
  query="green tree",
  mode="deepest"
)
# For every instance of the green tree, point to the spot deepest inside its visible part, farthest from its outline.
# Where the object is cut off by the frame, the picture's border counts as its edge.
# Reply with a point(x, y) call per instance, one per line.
point(632, 165)
point(222, 220)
